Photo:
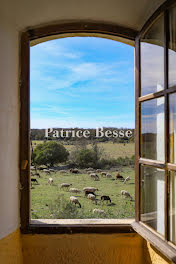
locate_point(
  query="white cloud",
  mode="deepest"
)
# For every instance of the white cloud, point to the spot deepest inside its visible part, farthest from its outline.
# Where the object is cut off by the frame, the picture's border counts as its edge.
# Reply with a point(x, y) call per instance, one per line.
point(54, 49)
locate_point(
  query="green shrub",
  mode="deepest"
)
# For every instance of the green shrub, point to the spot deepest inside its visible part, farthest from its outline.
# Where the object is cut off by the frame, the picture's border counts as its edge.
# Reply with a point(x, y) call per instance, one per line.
point(49, 154)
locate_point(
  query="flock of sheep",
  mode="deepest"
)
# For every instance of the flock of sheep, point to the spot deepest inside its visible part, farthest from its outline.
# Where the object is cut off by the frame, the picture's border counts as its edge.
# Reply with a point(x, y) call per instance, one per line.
point(89, 192)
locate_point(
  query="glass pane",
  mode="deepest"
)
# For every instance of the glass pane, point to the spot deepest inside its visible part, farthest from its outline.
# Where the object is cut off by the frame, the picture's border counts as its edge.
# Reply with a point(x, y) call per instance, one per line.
point(152, 59)
point(172, 127)
point(152, 198)
point(172, 48)
point(152, 129)
point(172, 207)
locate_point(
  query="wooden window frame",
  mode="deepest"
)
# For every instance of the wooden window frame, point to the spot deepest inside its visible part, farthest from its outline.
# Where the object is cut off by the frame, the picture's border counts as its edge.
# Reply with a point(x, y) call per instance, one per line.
point(35, 34)
point(161, 243)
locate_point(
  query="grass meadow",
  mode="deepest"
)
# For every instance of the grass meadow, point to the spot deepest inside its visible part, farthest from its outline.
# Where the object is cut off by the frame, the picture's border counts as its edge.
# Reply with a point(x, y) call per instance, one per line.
point(52, 202)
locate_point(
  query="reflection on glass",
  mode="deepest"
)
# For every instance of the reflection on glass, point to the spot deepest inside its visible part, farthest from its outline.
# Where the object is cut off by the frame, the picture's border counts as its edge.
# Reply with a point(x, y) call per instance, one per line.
point(172, 48)
point(172, 127)
point(172, 207)
point(152, 129)
point(152, 198)
point(152, 59)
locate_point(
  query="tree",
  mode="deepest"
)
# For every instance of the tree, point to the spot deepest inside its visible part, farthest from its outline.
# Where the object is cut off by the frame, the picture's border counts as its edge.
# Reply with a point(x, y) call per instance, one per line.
point(49, 154)
point(86, 158)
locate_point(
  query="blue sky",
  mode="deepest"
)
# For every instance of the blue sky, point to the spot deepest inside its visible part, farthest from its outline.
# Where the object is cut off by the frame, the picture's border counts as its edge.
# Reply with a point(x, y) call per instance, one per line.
point(84, 82)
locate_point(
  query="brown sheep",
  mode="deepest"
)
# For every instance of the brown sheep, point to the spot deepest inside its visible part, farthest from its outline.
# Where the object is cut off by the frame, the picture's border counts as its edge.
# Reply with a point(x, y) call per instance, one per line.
point(119, 177)
point(105, 198)
point(74, 170)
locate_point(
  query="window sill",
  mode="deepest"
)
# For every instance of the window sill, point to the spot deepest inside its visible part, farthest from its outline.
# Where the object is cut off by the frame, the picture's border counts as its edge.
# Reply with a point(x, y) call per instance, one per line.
point(163, 246)
point(70, 226)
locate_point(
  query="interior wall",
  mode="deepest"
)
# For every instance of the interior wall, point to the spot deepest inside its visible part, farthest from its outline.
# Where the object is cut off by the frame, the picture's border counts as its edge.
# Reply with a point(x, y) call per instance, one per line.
point(83, 248)
point(9, 127)
point(152, 256)
point(11, 249)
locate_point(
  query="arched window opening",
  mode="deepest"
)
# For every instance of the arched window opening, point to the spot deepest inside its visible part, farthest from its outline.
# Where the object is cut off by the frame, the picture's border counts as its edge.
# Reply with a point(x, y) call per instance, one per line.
point(82, 129)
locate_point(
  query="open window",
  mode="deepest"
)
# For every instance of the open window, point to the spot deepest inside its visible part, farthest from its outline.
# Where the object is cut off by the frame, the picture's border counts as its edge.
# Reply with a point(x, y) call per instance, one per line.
point(113, 209)
point(155, 124)
point(82, 131)
point(155, 89)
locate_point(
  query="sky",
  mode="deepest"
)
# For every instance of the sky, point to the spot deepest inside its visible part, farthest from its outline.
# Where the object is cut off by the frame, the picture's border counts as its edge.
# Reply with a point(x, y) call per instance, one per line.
point(84, 82)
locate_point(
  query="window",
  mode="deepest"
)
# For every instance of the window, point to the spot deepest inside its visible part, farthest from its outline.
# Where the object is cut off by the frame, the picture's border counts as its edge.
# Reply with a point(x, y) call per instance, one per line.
point(37, 36)
point(155, 146)
point(82, 129)
point(155, 158)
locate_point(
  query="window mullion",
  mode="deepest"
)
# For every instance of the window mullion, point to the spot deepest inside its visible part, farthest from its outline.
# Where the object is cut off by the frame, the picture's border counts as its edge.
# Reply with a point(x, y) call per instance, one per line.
point(166, 112)
point(137, 130)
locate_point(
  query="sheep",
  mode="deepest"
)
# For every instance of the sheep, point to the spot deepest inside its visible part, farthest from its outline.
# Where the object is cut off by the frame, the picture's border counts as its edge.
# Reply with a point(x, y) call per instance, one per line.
point(126, 194)
point(34, 180)
point(50, 181)
point(74, 190)
point(119, 177)
point(37, 174)
point(92, 197)
point(46, 171)
point(94, 176)
point(90, 189)
point(89, 169)
point(105, 198)
point(90, 172)
point(108, 175)
point(41, 168)
point(89, 192)
point(74, 200)
point(52, 170)
point(74, 170)
point(65, 185)
point(103, 173)
point(63, 171)
point(98, 211)
point(127, 179)
point(98, 170)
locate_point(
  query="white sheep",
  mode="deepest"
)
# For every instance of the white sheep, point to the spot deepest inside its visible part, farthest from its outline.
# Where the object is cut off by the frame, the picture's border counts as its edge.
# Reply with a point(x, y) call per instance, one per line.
point(126, 194)
point(52, 170)
point(98, 211)
point(90, 172)
point(103, 173)
point(74, 190)
point(63, 171)
point(65, 185)
point(98, 170)
point(90, 189)
point(108, 175)
point(94, 176)
point(92, 198)
point(127, 179)
point(46, 171)
point(74, 200)
point(50, 181)
point(89, 169)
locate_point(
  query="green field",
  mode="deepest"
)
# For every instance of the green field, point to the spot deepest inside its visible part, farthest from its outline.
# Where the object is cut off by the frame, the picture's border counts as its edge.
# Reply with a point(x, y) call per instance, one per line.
point(50, 201)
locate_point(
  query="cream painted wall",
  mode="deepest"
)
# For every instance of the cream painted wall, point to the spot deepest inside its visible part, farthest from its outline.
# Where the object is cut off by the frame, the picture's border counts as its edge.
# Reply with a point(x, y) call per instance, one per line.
point(9, 127)
point(127, 13)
